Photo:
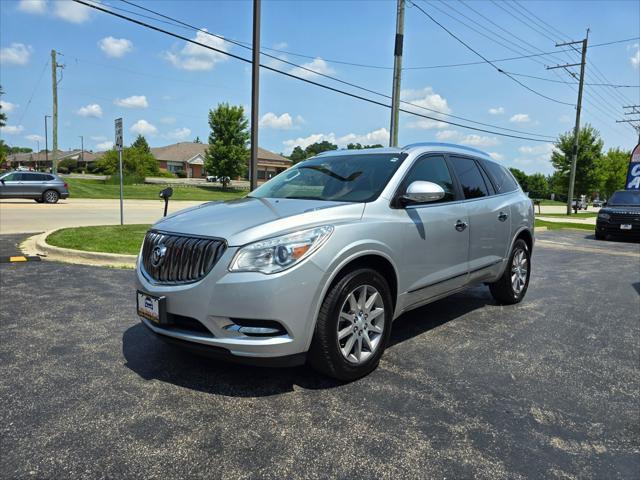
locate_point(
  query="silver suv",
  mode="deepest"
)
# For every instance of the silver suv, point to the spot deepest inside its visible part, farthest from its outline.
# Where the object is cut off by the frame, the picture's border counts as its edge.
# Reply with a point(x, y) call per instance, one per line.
point(42, 187)
point(316, 264)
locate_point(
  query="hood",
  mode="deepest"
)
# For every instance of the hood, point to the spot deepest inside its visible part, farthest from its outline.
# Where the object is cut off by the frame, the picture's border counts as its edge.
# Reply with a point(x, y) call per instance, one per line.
point(249, 219)
point(621, 209)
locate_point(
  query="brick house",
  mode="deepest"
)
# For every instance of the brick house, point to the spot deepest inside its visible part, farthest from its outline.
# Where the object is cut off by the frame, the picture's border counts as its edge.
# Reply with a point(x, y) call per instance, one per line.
point(189, 157)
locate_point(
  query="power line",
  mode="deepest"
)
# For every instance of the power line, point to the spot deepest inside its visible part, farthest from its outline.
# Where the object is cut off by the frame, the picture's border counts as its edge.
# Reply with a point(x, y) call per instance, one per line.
point(26, 107)
point(572, 83)
point(321, 74)
point(357, 64)
point(487, 60)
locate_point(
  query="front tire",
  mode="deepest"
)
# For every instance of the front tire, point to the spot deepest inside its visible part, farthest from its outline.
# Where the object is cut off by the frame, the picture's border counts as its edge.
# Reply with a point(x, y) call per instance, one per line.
point(51, 196)
point(600, 236)
point(353, 327)
point(512, 286)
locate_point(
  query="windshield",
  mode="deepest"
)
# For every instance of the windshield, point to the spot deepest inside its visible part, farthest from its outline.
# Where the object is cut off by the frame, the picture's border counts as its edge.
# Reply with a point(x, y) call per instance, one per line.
point(341, 178)
point(625, 197)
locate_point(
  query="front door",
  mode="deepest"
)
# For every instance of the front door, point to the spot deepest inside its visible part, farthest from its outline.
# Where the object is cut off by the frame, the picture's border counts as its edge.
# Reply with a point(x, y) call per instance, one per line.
point(11, 185)
point(435, 238)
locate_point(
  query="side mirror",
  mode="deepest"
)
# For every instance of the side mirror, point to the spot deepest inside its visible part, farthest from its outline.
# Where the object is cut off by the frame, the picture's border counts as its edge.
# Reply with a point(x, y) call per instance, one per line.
point(423, 192)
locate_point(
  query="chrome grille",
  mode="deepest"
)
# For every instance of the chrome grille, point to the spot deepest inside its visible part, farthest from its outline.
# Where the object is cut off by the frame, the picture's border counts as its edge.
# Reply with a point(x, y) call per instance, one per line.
point(186, 259)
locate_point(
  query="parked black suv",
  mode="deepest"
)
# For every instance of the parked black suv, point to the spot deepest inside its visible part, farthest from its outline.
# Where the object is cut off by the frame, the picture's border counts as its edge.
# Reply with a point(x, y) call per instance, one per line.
point(620, 216)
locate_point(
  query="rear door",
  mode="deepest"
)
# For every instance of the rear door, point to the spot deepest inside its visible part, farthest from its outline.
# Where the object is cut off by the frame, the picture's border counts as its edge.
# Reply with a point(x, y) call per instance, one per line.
point(436, 247)
point(489, 215)
point(32, 184)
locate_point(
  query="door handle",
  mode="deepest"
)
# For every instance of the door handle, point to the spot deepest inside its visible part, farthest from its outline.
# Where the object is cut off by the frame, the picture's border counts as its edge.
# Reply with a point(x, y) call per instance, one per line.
point(503, 216)
point(460, 225)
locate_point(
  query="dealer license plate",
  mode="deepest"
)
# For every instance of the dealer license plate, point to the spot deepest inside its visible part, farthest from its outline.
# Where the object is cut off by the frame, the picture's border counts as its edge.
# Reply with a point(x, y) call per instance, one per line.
point(625, 226)
point(150, 307)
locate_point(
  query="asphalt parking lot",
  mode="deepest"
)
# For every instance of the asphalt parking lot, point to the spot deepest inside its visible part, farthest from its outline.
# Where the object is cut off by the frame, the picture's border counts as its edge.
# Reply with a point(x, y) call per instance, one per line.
point(546, 389)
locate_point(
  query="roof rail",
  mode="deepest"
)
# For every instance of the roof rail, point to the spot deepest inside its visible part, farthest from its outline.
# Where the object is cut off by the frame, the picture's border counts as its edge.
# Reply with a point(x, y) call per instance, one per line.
point(444, 144)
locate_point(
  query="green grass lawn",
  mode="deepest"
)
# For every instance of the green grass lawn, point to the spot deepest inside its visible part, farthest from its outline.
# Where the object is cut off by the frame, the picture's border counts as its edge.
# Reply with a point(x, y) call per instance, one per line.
point(561, 225)
point(81, 188)
point(579, 215)
point(551, 202)
point(125, 239)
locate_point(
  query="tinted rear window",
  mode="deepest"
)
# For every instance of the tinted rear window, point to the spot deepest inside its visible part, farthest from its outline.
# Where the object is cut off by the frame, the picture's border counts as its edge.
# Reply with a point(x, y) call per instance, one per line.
point(471, 180)
point(502, 178)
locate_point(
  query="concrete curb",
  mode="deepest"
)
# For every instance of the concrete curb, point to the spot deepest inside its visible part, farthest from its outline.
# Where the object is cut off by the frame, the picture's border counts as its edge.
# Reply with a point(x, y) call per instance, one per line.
point(540, 229)
point(37, 245)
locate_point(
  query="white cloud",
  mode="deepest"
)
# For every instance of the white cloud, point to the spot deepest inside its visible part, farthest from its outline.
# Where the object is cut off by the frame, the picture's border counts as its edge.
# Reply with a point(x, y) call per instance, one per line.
point(8, 107)
point(98, 138)
point(564, 118)
point(144, 128)
point(377, 136)
point(34, 138)
point(134, 101)
point(535, 158)
point(544, 148)
point(479, 141)
point(280, 46)
point(12, 129)
point(92, 110)
point(447, 135)
point(281, 122)
point(318, 65)
point(179, 134)
point(168, 120)
point(635, 58)
point(33, 6)
point(520, 118)
point(106, 145)
point(195, 57)
point(426, 98)
point(115, 47)
point(496, 111)
point(15, 54)
point(71, 11)
point(496, 156)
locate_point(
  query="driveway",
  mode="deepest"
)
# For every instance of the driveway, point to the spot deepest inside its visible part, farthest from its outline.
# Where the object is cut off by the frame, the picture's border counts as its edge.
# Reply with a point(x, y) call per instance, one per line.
point(546, 389)
point(17, 216)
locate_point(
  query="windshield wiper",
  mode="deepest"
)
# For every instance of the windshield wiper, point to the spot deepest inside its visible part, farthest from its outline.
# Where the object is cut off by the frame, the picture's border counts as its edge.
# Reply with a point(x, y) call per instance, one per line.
point(302, 197)
point(326, 171)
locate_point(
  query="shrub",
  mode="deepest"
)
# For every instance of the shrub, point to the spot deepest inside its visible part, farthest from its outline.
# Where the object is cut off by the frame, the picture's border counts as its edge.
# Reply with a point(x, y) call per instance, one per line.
point(165, 174)
point(63, 170)
point(181, 174)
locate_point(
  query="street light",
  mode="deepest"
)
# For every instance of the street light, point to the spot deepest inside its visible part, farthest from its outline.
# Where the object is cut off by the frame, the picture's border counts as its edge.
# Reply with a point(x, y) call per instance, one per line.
point(46, 141)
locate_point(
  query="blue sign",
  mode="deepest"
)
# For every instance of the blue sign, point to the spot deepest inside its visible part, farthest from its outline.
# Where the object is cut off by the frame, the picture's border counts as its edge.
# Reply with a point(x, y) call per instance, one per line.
point(633, 174)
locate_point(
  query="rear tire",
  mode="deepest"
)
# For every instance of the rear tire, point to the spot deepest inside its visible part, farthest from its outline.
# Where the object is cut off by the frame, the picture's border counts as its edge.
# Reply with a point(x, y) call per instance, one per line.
point(514, 282)
point(50, 196)
point(352, 330)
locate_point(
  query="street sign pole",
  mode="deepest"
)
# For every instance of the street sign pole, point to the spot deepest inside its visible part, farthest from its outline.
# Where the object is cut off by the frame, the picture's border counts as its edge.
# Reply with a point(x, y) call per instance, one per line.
point(119, 147)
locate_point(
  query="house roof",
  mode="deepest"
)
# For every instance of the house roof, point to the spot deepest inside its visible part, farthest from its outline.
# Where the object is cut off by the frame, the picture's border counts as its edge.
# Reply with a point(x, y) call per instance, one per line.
point(186, 151)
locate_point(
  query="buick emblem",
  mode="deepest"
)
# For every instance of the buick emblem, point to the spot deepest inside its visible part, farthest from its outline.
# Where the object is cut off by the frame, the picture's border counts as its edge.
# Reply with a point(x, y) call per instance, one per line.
point(157, 255)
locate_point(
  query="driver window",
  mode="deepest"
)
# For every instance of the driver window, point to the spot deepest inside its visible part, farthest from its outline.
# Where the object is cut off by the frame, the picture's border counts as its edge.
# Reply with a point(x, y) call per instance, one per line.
point(432, 169)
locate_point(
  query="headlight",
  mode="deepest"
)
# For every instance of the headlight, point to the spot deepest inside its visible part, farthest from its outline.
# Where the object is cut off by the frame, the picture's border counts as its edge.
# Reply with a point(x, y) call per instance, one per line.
point(604, 216)
point(279, 253)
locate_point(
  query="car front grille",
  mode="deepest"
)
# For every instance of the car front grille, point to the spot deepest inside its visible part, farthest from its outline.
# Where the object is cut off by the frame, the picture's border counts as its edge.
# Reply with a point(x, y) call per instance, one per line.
point(171, 259)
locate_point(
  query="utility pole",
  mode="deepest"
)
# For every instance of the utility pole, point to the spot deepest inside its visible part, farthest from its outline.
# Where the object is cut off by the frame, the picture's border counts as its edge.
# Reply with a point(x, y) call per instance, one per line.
point(255, 96)
point(635, 122)
point(54, 87)
point(82, 150)
point(397, 75)
point(46, 141)
point(576, 131)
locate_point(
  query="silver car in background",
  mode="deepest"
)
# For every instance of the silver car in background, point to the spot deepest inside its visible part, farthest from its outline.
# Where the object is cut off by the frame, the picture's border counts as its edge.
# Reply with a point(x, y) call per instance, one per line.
point(42, 187)
point(316, 264)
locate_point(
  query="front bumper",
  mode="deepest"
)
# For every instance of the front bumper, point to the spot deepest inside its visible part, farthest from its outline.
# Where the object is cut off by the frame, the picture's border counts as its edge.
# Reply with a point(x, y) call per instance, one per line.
point(222, 298)
point(612, 227)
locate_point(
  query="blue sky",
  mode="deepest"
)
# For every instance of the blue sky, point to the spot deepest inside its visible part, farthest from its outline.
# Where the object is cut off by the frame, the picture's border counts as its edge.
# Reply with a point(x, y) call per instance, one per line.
point(163, 87)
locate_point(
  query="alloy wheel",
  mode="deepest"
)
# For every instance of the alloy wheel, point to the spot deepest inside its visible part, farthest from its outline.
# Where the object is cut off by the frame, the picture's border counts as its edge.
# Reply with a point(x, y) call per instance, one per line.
point(361, 324)
point(519, 271)
point(51, 196)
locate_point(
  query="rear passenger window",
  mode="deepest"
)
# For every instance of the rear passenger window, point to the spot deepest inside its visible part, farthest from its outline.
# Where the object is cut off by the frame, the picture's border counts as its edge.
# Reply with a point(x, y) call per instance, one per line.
point(471, 180)
point(432, 169)
point(502, 178)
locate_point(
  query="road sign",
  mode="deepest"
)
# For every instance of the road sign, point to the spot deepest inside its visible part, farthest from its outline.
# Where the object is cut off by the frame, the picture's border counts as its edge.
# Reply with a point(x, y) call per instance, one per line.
point(119, 142)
